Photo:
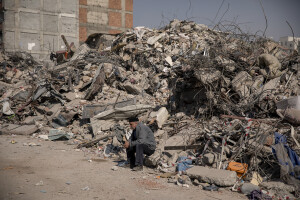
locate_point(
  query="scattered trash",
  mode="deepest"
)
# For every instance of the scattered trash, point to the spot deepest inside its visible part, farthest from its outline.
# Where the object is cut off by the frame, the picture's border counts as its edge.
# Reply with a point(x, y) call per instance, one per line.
point(211, 188)
point(13, 142)
point(39, 183)
point(85, 188)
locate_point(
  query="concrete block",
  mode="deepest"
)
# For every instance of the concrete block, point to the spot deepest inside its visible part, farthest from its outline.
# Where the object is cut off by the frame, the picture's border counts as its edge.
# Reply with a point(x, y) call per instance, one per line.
point(69, 6)
point(31, 4)
point(101, 3)
point(132, 89)
point(9, 40)
point(49, 6)
point(101, 125)
point(50, 42)
point(213, 176)
point(69, 25)
point(175, 140)
point(247, 188)
point(277, 186)
point(50, 23)
point(9, 17)
point(29, 21)
point(209, 158)
point(29, 41)
point(97, 17)
point(9, 4)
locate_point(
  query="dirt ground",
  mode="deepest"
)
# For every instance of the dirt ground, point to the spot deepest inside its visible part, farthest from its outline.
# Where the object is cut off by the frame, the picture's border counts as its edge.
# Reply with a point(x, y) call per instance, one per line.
point(55, 170)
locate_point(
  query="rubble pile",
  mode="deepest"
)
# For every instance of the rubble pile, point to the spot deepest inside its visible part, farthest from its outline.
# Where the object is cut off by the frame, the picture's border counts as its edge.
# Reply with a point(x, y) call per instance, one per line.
point(220, 102)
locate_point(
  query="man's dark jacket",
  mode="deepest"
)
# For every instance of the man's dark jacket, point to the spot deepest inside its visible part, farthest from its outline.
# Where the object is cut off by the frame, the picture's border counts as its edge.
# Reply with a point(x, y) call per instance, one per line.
point(142, 135)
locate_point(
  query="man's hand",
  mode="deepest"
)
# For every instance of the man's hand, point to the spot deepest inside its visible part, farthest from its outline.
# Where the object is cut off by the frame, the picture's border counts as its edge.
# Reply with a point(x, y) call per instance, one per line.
point(126, 144)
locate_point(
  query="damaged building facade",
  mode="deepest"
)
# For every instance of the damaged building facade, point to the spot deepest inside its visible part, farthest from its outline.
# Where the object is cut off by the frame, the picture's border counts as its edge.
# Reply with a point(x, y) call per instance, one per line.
point(36, 27)
point(291, 43)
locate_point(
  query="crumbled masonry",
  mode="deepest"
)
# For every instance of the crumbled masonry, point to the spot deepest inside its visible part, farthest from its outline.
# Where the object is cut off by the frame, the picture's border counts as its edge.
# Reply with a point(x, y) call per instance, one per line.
point(232, 98)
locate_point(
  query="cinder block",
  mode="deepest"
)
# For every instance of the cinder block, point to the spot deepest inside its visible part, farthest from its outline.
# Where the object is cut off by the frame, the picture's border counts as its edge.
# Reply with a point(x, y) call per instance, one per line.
point(32, 4)
point(29, 21)
point(29, 41)
point(115, 4)
point(129, 5)
point(115, 19)
point(50, 43)
point(101, 3)
point(69, 6)
point(50, 23)
point(9, 40)
point(9, 17)
point(97, 17)
point(128, 20)
point(82, 15)
point(68, 25)
point(9, 4)
point(50, 6)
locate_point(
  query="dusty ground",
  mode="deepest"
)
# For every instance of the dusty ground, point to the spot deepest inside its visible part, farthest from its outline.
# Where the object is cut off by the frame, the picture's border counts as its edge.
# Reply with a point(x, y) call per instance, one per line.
point(65, 173)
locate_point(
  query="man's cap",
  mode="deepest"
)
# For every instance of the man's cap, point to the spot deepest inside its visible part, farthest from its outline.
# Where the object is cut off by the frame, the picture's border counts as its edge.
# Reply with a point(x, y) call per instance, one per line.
point(133, 119)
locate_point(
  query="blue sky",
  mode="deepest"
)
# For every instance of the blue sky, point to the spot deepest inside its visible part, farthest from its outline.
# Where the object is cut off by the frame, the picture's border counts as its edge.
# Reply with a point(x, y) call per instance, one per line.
point(247, 14)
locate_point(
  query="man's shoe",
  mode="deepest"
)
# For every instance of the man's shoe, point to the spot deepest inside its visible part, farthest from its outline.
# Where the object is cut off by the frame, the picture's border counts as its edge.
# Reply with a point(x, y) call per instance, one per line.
point(126, 166)
point(138, 168)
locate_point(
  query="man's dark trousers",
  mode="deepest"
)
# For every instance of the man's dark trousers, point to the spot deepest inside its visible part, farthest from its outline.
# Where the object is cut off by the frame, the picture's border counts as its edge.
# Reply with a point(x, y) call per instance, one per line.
point(140, 150)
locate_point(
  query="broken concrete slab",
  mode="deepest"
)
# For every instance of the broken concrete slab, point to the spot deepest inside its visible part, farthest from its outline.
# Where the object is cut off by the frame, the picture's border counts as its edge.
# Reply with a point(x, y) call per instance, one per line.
point(277, 186)
point(18, 129)
point(90, 111)
point(292, 102)
point(101, 125)
point(30, 120)
point(132, 89)
point(123, 113)
point(218, 177)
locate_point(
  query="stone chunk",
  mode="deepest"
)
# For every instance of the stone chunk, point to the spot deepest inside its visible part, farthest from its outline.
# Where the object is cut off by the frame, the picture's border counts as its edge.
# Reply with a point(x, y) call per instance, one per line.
point(213, 176)
point(277, 186)
point(132, 89)
point(247, 188)
point(209, 158)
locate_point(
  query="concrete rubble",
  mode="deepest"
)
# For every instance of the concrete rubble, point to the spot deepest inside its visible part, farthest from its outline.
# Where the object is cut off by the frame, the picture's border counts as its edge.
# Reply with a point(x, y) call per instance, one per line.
point(211, 96)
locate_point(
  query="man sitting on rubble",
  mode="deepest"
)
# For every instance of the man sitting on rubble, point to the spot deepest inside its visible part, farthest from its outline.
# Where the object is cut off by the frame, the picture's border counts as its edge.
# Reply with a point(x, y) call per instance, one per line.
point(141, 142)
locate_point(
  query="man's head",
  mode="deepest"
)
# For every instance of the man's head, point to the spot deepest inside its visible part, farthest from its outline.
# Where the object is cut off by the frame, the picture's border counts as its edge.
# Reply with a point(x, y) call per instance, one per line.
point(133, 122)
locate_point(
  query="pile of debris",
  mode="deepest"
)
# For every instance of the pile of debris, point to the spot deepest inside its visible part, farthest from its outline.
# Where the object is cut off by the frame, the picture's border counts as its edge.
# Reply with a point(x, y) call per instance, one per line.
point(220, 102)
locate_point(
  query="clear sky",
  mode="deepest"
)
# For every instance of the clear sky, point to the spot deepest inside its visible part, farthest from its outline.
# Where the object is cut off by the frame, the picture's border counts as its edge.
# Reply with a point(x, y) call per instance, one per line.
point(247, 14)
